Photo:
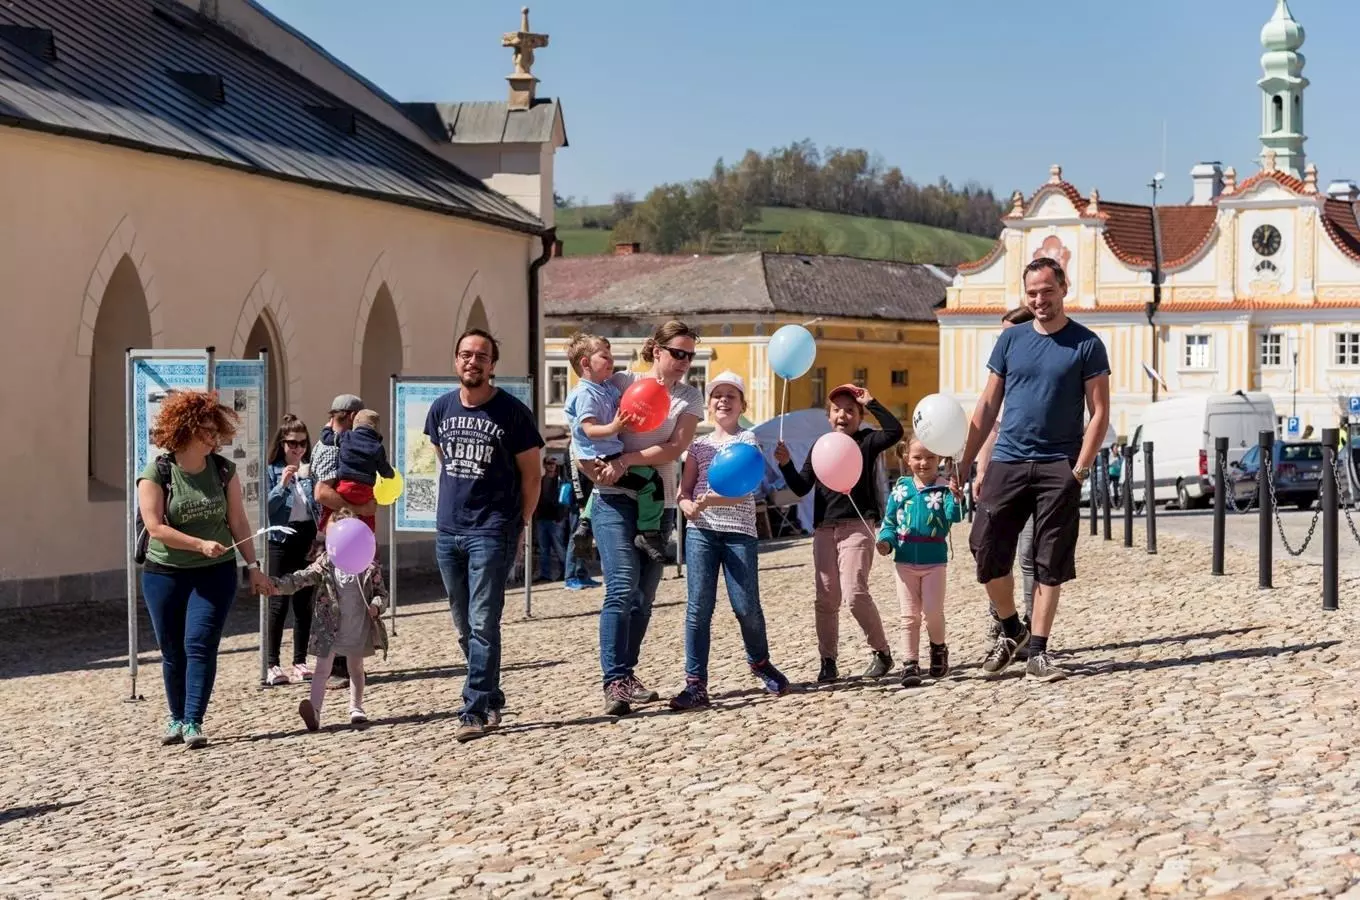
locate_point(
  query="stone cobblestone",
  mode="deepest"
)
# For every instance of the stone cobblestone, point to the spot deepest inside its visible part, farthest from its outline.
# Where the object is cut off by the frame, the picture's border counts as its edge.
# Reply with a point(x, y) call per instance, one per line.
point(1203, 747)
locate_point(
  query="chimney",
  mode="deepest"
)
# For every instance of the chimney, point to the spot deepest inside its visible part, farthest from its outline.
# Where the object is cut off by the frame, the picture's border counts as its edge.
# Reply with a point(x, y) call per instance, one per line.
point(627, 248)
point(1207, 178)
point(1343, 189)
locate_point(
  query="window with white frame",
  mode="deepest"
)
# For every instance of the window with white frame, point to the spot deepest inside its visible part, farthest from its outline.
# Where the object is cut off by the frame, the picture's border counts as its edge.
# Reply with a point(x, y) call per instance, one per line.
point(1197, 351)
point(817, 382)
point(557, 385)
point(697, 376)
point(1346, 348)
point(1270, 349)
point(861, 378)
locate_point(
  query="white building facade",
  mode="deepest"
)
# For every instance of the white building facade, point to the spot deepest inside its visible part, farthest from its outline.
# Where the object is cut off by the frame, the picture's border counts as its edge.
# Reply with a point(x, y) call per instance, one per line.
point(1260, 278)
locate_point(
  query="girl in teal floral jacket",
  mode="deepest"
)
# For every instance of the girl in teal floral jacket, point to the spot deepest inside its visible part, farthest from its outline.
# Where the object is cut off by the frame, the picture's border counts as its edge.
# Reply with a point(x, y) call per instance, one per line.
point(921, 510)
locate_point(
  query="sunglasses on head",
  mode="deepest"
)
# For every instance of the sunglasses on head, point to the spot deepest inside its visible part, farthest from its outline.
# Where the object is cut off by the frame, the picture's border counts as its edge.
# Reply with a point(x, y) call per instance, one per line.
point(681, 355)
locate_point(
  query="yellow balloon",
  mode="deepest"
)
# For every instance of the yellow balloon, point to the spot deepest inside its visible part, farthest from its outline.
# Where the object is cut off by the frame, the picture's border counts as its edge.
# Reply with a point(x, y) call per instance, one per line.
point(387, 490)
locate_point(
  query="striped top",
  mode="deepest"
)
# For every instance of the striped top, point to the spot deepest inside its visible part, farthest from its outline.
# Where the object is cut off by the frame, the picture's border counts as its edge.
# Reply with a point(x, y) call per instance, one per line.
point(741, 518)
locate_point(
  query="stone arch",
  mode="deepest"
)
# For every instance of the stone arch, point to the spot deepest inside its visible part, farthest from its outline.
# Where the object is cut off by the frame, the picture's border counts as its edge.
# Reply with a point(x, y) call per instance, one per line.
point(122, 242)
point(477, 317)
point(267, 306)
point(380, 276)
point(122, 321)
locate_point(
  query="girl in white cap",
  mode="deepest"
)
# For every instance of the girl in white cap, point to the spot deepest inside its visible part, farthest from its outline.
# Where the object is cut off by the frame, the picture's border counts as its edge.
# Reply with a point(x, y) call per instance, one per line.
point(721, 535)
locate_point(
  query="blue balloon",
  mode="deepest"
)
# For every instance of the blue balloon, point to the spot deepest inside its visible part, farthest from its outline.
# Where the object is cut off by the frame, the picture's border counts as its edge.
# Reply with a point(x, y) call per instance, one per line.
point(736, 470)
point(792, 351)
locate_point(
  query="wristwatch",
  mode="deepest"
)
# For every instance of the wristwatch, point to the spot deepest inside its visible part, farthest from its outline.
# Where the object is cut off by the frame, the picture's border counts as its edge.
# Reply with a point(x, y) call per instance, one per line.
point(255, 565)
point(1082, 472)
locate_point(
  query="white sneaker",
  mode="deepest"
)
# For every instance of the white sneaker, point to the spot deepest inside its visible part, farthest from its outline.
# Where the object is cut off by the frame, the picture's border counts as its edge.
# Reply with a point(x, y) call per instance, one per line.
point(357, 717)
point(276, 676)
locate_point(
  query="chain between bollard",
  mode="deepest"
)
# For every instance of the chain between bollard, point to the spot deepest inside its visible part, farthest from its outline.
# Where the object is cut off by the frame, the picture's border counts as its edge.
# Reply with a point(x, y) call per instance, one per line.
point(1229, 494)
point(1279, 523)
point(1345, 507)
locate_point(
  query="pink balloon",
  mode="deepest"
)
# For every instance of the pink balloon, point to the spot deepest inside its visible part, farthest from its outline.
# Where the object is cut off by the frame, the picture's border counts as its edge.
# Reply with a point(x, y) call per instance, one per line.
point(350, 545)
point(837, 462)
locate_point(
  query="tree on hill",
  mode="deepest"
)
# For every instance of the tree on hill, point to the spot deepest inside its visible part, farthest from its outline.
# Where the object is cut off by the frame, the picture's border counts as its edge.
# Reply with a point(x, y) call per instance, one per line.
point(676, 217)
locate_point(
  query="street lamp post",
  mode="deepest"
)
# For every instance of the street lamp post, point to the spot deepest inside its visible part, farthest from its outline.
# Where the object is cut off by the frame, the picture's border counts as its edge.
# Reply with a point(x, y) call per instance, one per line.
point(1156, 302)
point(1294, 380)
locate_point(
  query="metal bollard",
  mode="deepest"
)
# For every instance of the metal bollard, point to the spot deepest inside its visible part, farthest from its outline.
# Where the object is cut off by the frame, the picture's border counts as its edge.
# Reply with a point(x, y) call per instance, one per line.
point(1150, 497)
point(1265, 536)
point(1128, 495)
point(1330, 500)
point(1220, 502)
point(1105, 498)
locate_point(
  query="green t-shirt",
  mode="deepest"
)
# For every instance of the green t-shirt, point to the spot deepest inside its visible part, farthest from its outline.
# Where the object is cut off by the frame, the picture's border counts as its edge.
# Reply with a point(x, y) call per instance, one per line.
point(198, 508)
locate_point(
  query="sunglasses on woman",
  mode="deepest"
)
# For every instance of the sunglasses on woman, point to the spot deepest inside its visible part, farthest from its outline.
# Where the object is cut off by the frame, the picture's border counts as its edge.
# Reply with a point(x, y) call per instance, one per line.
point(288, 443)
point(681, 355)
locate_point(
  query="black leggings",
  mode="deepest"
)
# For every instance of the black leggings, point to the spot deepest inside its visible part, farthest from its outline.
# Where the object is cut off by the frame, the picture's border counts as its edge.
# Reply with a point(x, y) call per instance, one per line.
point(285, 558)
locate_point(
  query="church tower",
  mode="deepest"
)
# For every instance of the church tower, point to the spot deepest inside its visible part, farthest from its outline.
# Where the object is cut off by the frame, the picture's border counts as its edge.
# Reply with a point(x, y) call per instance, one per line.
point(1282, 91)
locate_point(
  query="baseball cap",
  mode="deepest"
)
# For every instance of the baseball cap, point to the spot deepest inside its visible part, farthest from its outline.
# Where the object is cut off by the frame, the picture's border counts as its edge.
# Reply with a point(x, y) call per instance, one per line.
point(851, 389)
point(347, 403)
point(727, 377)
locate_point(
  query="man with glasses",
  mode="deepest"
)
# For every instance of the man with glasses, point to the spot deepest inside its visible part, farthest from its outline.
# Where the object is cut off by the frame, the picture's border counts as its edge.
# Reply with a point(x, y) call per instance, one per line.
point(326, 475)
point(490, 454)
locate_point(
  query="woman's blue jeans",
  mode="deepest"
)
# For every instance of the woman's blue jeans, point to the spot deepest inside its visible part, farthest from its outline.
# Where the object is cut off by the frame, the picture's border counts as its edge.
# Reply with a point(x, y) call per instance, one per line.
point(738, 556)
point(630, 582)
point(189, 609)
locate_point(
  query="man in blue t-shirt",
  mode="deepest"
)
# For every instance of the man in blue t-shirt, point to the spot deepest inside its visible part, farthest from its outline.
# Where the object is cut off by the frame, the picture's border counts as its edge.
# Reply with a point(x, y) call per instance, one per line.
point(1049, 374)
point(490, 456)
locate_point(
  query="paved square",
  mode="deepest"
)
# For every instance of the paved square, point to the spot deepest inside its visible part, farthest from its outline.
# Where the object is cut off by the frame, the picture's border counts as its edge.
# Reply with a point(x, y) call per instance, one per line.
point(1207, 747)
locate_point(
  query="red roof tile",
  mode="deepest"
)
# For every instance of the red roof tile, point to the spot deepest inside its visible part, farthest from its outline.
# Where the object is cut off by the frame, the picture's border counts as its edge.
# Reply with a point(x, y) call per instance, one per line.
point(1283, 179)
point(1339, 221)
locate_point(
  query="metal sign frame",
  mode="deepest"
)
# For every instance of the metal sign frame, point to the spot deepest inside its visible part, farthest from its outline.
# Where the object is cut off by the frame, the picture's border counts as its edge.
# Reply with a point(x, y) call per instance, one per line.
point(519, 387)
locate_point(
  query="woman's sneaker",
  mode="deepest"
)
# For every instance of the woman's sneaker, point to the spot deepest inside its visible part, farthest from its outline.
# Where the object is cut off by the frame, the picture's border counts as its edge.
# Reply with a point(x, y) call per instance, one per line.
point(173, 734)
point(617, 700)
point(275, 677)
point(357, 716)
point(694, 696)
point(939, 660)
point(639, 692)
point(301, 672)
point(911, 674)
point(194, 738)
point(772, 678)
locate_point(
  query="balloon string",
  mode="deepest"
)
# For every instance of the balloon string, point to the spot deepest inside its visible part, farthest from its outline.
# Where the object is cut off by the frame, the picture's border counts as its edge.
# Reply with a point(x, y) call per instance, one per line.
point(872, 536)
point(783, 406)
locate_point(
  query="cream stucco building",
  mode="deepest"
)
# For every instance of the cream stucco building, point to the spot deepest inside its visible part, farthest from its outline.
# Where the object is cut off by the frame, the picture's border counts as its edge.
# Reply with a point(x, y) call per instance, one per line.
point(192, 173)
point(1261, 286)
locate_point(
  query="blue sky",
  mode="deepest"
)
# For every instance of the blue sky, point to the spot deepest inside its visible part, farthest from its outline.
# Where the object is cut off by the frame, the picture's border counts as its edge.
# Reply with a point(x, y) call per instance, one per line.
point(988, 90)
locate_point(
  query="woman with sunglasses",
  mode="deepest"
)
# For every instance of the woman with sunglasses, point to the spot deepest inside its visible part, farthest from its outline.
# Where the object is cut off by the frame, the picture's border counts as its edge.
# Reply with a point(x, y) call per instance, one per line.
point(292, 502)
point(630, 576)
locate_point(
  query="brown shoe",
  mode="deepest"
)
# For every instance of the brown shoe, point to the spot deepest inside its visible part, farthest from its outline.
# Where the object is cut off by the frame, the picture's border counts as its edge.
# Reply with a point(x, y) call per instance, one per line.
point(309, 716)
point(469, 729)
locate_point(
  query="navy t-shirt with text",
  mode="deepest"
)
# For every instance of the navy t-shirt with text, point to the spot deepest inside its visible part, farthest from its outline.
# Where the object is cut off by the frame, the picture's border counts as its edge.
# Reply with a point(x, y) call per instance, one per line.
point(479, 481)
point(1044, 415)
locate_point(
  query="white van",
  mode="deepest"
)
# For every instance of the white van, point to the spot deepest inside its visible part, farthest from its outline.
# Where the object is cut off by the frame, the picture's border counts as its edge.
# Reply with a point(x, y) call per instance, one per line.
point(1182, 431)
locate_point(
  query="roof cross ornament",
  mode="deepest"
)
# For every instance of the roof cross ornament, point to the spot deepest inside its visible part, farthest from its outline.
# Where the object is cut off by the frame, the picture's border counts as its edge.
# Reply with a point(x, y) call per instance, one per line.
point(1268, 159)
point(524, 42)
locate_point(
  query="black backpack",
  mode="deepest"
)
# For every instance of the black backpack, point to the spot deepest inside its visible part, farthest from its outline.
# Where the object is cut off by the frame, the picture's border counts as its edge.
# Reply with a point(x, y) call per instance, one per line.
point(164, 478)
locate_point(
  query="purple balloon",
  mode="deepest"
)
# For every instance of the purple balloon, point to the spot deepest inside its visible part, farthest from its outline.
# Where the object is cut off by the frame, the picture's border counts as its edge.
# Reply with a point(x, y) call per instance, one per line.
point(350, 545)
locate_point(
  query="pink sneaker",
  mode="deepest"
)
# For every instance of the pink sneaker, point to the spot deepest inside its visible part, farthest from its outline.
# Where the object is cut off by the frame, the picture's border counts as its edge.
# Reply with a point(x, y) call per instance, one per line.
point(276, 676)
point(301, 672)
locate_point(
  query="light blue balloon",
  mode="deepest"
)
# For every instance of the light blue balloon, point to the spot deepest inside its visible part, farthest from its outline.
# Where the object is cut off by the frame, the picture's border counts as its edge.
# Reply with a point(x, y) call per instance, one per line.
point(792, 351)
point(736, 470)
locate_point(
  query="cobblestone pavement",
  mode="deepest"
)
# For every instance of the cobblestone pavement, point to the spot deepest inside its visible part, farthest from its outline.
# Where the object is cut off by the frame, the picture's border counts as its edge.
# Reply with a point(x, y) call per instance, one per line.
point(1206, 746)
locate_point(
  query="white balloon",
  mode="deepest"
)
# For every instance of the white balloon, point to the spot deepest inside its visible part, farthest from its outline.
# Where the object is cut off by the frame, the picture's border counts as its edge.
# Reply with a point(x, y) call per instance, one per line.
point(940, 423)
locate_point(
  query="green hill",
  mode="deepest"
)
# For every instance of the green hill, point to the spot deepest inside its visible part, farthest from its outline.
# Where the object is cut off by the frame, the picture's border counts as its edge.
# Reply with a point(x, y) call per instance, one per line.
point(847, 235)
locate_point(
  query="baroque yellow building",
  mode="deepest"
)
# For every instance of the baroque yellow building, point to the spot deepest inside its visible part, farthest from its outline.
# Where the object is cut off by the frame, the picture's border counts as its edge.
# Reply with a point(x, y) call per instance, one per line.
point(1260, 278)
point(874, 321)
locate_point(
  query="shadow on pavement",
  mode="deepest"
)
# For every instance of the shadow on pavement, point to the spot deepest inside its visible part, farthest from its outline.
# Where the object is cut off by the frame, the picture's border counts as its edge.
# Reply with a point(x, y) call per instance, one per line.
point(1167, 639)
point(16, 813)
point(1105, 667)
point(457, 671)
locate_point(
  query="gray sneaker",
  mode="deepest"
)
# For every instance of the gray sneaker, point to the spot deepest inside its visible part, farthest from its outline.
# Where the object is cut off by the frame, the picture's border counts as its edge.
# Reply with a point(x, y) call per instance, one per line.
point(194, 738)
point(639, 692)
point(1042, 668)
point(174, 732)
point(880, 664)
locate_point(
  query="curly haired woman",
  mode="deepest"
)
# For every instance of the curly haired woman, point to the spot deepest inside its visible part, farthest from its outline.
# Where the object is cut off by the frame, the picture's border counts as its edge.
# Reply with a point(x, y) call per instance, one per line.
point(191, 502)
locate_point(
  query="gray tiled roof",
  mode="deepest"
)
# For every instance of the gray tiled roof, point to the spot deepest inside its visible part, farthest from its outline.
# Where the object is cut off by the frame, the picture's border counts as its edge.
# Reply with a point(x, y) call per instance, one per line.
point(486, 122)
point(770, 283)
point(144, 74)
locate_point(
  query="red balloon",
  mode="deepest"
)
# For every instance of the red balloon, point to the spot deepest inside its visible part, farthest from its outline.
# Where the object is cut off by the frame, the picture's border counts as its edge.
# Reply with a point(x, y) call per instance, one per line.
point(648, 402)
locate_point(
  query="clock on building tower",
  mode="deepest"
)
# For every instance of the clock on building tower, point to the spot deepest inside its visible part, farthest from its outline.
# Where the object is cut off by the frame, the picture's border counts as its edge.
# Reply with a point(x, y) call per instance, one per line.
point(1266, 240)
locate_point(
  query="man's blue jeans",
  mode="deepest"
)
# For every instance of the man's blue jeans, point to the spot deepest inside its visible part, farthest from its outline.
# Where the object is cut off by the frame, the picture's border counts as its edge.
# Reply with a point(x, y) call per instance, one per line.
point(576, 567)
point(188, 612)
point(737, 555)
point(551, 546)
point(474, 568)
point(630, 582)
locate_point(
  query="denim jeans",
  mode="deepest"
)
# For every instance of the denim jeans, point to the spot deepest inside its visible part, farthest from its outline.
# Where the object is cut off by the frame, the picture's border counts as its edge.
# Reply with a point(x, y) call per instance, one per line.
point(630, 582)
point(551, 546)
point(474, 568)
point(576, 567)
point(737, 555)
point(188, 610)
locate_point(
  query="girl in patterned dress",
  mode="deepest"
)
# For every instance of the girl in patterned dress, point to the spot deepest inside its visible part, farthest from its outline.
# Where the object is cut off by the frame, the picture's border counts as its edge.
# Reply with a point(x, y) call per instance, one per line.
point(921, 510)
point(721, 535)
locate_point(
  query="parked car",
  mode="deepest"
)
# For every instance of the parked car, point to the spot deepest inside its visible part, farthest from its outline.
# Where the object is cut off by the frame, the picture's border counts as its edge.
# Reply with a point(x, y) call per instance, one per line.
point(1297, 469)
point(1182, 431)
